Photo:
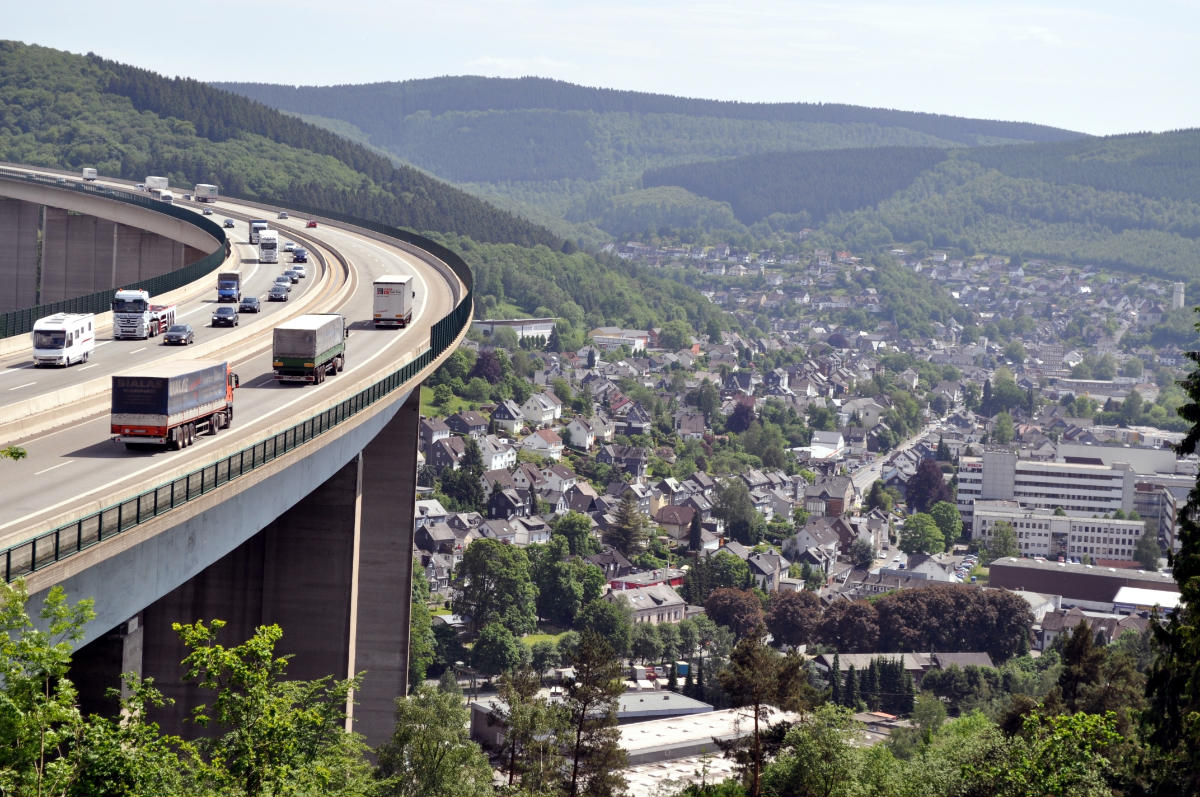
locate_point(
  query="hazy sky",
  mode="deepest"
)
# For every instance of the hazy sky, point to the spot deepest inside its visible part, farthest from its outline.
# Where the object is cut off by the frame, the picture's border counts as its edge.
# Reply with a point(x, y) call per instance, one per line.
point(1097, 66)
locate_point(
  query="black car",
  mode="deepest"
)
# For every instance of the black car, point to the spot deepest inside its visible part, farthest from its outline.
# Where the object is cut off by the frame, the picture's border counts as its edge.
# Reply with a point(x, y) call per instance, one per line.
point(278, 293)
point(227, 224)
point(179, 335)
point(249, 304)
point(299, 255)
point(225, 317)
point(293, 275)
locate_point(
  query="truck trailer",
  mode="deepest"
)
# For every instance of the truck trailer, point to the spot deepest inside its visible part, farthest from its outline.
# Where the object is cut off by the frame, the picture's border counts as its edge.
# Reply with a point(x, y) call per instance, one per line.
point(135, 317)
point(153, 182)
point(229, 286)
point(256, 227)
point(309, 347)
point(64, 338)
point(89, 174)
point(268, 246)
point(393, 300)
point(205, 192)
point(167, 402)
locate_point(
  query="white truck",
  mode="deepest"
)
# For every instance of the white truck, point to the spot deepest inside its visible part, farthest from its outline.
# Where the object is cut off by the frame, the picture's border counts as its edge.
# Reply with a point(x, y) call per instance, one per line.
point(89, 174)
point(166, 196)
point(64, 338)
point(205, 192)
point(135, 317)
point(153, 182)
point(268, 246)
point(393, 300)
point(256, 228)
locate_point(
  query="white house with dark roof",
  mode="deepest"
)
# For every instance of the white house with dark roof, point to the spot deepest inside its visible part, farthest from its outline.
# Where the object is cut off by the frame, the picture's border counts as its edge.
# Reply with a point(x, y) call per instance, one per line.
point(654, 604)
point(542, 409)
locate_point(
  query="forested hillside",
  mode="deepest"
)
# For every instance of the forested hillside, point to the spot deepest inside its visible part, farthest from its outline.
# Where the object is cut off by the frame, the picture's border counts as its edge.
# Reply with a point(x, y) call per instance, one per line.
point(68, 111)
point(815, 184)
point(59, 109)
point(549, 147)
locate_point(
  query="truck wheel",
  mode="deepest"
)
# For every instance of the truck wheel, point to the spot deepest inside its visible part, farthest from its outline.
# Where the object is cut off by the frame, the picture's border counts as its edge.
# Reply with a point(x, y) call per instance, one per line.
point(339, 364)
point(228, 417)
point(320, 375)
point(175, 439)
point(214, 423)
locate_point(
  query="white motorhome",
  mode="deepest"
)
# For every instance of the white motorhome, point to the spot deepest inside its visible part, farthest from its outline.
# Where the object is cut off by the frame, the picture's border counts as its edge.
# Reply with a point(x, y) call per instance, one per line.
point(64, 338)
point(268, 246)
point(166, 196)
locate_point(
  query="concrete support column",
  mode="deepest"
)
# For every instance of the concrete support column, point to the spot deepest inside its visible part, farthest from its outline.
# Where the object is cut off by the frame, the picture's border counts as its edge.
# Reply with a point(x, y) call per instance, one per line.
point(334, 572)
point(384, 580)
point(19, 224)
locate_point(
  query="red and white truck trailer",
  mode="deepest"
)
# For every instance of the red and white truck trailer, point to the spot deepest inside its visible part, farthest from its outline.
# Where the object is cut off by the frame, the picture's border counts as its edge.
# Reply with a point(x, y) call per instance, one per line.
point(166, 403)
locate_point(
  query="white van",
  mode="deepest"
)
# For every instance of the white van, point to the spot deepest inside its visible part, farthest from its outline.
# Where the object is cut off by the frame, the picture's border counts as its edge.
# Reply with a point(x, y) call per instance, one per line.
point(64, 338)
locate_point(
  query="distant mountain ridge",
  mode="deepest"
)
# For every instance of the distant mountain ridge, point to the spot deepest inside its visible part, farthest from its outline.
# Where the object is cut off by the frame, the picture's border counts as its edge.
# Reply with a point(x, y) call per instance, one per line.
point(473, 93)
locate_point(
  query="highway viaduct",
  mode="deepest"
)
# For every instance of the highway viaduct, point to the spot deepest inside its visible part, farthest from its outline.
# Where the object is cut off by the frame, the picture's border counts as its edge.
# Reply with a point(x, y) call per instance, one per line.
point(301, 515)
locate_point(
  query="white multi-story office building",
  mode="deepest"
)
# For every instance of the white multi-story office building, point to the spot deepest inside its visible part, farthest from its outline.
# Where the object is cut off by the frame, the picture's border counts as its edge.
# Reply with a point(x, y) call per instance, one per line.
point(1041, 532)
point(1077, 487)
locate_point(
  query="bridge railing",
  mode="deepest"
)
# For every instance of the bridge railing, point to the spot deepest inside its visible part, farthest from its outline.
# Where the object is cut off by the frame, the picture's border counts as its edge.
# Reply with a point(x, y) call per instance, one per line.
point(19, 322)
point(62, 542)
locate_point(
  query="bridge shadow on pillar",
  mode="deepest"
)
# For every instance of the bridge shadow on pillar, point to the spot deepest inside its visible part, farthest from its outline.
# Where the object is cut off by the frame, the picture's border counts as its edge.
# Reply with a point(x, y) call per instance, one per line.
point(334, 572)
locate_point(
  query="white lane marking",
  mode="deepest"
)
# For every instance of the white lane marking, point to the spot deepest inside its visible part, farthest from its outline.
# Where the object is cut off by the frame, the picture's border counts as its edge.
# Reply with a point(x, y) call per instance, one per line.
point(27, 384)
point(53, 467)
point(93, 365)
point(135, 351)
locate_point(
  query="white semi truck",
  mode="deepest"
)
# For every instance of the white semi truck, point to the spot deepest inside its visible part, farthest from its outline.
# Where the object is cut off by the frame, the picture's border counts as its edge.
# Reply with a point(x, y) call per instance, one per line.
point(205, 192)
point(393, 300)
point(268, 246)
point(256, 227)
point(135, 317)
point(89, 174)
point(153, 182)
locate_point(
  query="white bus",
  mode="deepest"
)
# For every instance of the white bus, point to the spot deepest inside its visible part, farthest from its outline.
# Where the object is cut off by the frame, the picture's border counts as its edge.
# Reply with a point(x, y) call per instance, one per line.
point(64, 338)
point(268, 246)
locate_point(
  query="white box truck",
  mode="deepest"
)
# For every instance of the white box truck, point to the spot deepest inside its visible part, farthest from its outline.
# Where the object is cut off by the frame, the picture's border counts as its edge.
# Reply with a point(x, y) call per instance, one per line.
point(64, 338)
point(205, 192)
point(153, 182)
point(89, 174)
point(393, 300)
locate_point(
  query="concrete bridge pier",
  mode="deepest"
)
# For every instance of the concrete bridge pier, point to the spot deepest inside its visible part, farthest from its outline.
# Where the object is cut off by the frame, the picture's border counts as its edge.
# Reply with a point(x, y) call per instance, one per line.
point(334, 572)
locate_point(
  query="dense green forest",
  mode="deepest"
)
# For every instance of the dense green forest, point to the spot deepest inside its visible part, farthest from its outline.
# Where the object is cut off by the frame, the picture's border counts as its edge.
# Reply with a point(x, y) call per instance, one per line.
point(68, 111)
point(543, 147)
point(960, 203)
point(59, 109)
point(816, 184)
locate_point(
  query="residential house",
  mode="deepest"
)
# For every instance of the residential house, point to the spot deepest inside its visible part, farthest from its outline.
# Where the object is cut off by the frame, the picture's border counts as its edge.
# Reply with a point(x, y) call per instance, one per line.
point(508, 503)
point(629, 460)
point(767, 570)
point(500, 477)
point(542, 409)
point(432, 430)
point(544, 443)
point(676, 521)
point(819, 535)
point(612, 562)
point(508, 417)
point(581, 433)
point(653, 605)
point(429, 511)
point(830, 496)
point(496, 453)
point(559, 477)
point(468, 423)
point(446, 453)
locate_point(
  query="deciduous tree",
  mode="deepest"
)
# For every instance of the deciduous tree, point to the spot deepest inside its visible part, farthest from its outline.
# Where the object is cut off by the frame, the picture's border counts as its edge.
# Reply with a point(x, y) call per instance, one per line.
point(739, 610)
point(494, 585)
point(430, 750)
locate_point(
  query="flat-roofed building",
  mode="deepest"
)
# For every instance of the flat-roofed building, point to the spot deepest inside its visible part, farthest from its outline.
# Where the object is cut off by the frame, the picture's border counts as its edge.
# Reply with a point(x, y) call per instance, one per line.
point(1040, 532)
point(1086, 586)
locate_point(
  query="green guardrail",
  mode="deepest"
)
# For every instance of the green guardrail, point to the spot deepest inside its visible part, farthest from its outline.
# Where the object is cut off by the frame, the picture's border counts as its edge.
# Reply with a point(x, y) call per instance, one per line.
point(20, 322)
point(62, 542)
